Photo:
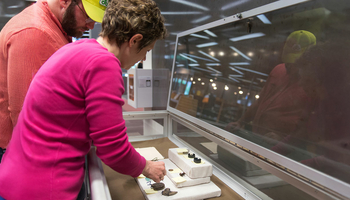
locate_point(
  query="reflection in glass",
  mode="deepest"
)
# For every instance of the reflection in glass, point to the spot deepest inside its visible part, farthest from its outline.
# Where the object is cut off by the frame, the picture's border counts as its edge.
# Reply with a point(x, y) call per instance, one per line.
point(279, 80)
point(267, 183)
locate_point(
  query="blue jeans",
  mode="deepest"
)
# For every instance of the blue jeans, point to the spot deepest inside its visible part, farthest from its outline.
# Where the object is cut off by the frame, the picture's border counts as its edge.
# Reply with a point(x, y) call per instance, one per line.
point(2, 198)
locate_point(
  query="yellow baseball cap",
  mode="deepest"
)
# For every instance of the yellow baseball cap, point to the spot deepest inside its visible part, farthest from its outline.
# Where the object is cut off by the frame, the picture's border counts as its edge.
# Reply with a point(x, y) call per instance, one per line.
point(95, 9)
point(296, 44)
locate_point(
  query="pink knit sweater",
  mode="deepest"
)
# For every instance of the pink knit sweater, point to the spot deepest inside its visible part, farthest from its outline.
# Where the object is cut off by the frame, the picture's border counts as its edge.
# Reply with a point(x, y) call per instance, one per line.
point(74, 99)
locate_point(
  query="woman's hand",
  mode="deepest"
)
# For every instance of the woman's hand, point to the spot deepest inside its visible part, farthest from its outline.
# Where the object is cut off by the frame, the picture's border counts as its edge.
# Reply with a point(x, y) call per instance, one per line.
point(154, 170)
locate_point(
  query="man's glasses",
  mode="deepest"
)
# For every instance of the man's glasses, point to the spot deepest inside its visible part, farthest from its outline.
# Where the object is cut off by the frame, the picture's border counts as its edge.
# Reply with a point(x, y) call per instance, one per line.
point(88, 20)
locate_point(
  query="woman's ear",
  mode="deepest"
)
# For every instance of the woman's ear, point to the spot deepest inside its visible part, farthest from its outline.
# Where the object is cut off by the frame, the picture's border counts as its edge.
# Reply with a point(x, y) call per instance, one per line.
point(135, 39)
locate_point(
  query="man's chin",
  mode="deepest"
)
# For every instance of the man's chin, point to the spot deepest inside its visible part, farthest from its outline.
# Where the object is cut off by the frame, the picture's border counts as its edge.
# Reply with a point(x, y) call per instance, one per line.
point(78, 35)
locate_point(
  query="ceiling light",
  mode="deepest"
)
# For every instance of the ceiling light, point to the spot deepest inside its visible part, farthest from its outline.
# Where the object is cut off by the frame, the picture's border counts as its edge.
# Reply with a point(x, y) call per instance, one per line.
point(240, 63)
point(209, 56)
point(188, 58)
point(240, 92)
point(235, 75)
point(235, 54)
point(253, 71)
point(240, 53)
point(199, 79)
point(207, 44)
point(212, 64)
point(215, 88)
point(261, 80)
point(200, 36)
point(221, 53)
point(193, 65)
point(203, 83)
point(257, 96)
point(181, 13)
point(264, 19)
point(211, 80)
point(213, 84)
point(201, 19)
point(193, 56)
point(245, 37)
point(214, 70)
point(226, 87)
point(233, 4)
point(191, 78)
point(210, 33)
point(236, 70)
point(195, 5)
point(198, 68)
point(250, 54)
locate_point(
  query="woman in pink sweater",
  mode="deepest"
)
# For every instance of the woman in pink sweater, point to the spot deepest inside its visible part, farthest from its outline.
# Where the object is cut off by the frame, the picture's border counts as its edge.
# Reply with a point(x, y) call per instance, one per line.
point(74, 100)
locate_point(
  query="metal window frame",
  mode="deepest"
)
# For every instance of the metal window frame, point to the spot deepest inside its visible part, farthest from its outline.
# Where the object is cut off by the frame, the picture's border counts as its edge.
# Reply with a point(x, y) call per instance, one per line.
point(335, 186)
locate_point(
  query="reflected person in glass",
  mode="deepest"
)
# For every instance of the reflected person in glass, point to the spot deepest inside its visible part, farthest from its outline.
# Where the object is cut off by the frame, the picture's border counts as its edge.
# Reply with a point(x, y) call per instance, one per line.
point(283, 106)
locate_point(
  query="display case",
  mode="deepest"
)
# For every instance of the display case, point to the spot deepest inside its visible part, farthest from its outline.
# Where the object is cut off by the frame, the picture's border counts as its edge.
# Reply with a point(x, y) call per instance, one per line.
point(147, 87)
point(263, 96)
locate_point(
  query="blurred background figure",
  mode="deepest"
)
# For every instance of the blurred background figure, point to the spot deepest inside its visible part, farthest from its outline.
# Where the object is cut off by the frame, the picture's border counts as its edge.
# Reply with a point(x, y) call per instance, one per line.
point(208, 103)
point(283, 106)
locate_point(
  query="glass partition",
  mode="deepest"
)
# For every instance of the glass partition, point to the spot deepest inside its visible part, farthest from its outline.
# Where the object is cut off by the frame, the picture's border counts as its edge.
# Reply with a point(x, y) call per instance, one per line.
point(278, 79)
point(266, 183)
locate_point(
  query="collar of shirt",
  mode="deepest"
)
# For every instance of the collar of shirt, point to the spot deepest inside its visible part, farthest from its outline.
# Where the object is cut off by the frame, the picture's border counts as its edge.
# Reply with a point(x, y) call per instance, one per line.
point(45, 7)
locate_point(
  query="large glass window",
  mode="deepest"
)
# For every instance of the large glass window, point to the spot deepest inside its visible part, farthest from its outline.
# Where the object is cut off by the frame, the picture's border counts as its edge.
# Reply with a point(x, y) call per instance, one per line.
point(278, 79)
point(266, 183)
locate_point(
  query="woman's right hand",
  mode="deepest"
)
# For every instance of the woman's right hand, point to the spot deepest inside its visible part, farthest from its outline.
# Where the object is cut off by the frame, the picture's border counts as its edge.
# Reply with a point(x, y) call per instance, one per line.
point(154, 170)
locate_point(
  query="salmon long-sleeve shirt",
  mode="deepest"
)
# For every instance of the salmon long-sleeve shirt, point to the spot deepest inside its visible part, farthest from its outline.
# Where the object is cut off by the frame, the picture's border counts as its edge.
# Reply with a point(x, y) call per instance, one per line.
point(26, 42)
point(73, 100)
point(283, 105)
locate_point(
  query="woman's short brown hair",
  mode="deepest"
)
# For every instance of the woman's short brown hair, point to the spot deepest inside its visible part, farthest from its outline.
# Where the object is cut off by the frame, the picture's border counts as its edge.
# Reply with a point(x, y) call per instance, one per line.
point(125, 18)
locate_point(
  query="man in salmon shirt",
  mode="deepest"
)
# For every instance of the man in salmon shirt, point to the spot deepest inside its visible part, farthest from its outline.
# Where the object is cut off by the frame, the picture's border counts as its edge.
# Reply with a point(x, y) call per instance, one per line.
point(28, 40)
